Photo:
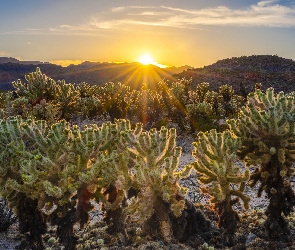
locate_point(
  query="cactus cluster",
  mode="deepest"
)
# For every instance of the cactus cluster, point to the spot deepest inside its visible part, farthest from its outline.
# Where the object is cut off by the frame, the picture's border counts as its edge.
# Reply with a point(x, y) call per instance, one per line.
point(56, 170)
point(49, 165)
point(41, 97)
point(266, 126)
point(52, 170)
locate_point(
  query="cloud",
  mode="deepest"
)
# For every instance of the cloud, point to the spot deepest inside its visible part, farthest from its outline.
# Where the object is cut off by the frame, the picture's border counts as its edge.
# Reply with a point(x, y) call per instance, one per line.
point(31, 43)
point(124, 8)
point(4, 53)
point(266, 13)
point(265, 3)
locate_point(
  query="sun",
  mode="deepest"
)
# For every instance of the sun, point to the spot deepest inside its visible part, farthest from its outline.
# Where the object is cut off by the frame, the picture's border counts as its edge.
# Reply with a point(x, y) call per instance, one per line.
point(146, 59)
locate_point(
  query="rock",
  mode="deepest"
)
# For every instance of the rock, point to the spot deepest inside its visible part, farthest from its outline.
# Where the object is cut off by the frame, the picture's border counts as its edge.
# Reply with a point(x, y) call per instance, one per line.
point(251, 237)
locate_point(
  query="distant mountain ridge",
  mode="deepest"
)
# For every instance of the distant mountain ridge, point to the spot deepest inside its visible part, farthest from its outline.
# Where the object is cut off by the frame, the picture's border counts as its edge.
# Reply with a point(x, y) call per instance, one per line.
point(244, 72)
point(133, 74)
point(14, 60)
point(240, 72)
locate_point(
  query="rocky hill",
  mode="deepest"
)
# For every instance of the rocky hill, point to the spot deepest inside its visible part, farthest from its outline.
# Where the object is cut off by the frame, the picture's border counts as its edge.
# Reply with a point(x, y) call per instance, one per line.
point(133, 74)
point(244, 72)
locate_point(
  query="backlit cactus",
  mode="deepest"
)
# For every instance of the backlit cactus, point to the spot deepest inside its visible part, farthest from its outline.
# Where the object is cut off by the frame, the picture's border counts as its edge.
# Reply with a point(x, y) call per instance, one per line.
point(15, 138)
point(267, 129)
point(215, 162)
point(113, 98)
point(58, 168)
point(37, 87)
point(66, 99)
point(155, 175)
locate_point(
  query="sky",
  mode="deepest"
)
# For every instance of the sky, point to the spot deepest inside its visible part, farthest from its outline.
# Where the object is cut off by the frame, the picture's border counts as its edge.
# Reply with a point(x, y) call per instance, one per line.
point(172, 32)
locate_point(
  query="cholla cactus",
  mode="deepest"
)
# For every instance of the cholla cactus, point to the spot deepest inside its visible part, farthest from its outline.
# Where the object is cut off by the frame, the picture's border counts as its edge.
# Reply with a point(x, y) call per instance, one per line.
point(147, 106)
point(66, 99)
point(113, 97)
point(12, 134)
point(179, 92)
point(50, 166)
point(215, 162)
point(86, 90)
point(45, 111)
point(201, 116)
point(201, 91)
point(37, 87)
point(177, 98)
point(42, 161)
point(155, 174)
point(217, 103)
point(20, 106)
point(90, 107)
point(267, 128)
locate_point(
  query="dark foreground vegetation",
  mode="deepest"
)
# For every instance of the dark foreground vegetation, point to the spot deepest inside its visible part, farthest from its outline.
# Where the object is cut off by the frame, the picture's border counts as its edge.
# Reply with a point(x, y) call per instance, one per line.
point(53, 172)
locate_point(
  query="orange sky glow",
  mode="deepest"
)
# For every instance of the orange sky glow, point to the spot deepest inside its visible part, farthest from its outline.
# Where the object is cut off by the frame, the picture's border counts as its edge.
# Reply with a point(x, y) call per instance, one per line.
point(176, 33)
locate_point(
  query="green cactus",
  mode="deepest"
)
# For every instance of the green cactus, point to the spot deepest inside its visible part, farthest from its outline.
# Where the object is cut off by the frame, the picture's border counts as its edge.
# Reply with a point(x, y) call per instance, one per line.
point(155, 163)
point(201, 91)
point(66, 99)
point(90, 107)
point(113, 97)
point(216, 101)
point(86, 90)
point(201, 116)
point(13, 133)
point(45, 111)
point(215, 158)
point(266, 126)
point(178, 97)
point(58, 168)
point(147, 106)
point(20, 106)
point(37, 87)
point(231, 102)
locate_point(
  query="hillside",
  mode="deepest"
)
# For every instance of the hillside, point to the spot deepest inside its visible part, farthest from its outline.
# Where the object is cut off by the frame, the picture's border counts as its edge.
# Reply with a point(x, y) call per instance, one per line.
point(133, 74)
point(243, 72)
point(240, 72)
